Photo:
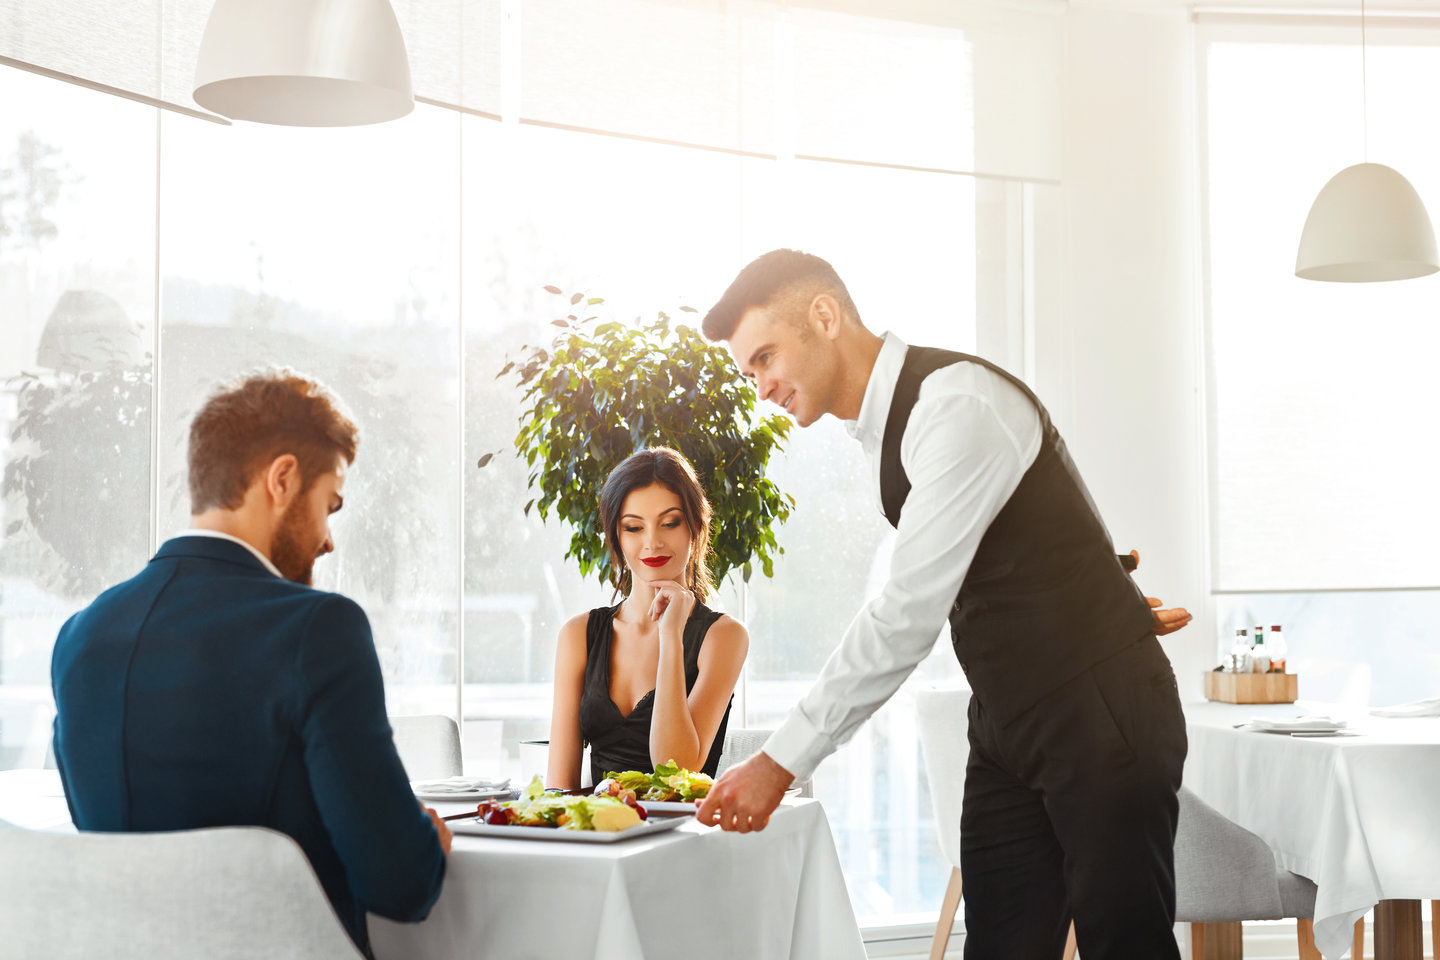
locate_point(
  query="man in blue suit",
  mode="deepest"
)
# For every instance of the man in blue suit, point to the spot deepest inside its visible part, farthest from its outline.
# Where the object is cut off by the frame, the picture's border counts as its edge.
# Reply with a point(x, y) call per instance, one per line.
point(218, 688)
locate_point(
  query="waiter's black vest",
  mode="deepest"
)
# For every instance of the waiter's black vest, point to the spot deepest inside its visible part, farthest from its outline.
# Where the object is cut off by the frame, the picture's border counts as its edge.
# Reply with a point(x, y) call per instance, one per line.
point(1045, 597)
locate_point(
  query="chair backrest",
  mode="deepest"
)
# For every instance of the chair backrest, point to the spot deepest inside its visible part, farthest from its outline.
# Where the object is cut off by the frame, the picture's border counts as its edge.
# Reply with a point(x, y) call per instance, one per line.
point(744, 744)
point(944, 722)
point(227, 892)
point(1223, 872)
point(429, 746)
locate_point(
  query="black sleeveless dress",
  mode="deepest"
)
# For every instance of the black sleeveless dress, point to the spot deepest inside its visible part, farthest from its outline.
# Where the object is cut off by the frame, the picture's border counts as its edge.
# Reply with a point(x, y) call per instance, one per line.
point(623, 742)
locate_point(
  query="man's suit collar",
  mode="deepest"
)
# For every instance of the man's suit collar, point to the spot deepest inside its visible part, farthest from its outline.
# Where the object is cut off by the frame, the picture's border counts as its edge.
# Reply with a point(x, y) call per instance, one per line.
point(210, 548)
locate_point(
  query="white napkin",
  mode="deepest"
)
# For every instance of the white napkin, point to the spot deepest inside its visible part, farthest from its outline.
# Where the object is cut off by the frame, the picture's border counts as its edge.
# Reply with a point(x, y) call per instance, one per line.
point(1416, 708)
point(458, 785)
point(1309, 723)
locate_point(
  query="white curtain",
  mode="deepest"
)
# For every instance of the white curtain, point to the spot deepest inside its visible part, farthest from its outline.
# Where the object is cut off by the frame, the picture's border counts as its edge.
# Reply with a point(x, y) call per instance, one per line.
point(1322, 395)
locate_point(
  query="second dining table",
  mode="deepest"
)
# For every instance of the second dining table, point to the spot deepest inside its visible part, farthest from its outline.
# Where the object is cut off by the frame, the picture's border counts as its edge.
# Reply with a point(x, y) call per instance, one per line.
point(1356, 811)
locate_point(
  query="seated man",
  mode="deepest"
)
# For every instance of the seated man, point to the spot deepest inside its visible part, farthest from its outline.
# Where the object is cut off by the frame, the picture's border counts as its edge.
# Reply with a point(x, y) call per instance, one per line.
point(218, 688)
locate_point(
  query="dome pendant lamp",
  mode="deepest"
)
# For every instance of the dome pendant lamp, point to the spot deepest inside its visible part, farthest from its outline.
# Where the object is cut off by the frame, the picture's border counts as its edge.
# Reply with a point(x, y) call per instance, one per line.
point(1367, 223)
point(304, 63)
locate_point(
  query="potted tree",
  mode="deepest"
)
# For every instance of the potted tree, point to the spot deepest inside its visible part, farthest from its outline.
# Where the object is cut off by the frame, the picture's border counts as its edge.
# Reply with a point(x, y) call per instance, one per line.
point(604, 390)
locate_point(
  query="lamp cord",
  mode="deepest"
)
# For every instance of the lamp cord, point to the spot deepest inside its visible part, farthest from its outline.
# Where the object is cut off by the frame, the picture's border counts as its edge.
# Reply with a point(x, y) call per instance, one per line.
point(1364, 89)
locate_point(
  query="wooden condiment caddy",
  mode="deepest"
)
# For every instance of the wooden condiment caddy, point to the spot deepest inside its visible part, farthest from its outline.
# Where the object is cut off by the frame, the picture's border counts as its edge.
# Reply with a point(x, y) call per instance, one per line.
point(1252, 687)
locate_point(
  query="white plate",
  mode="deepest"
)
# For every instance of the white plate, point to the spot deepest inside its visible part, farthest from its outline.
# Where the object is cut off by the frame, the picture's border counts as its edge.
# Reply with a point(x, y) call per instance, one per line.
point(689, 806)
point(1297, 724)
point(462, 797)
point(645, 828)
point(670, 806)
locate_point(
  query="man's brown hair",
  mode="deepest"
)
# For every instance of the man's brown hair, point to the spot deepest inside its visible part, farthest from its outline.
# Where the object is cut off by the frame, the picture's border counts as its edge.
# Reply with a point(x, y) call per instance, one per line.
point(246, 424)
point(767, 278)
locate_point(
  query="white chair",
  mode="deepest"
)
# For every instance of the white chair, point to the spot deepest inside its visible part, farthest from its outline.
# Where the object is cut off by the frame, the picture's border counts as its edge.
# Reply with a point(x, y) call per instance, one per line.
point(744, 744)
point(429, 746)
point(228, 893)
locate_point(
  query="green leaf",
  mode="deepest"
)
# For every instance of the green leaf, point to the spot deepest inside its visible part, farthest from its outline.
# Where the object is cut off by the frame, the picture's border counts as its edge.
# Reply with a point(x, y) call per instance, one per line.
point(689, 309)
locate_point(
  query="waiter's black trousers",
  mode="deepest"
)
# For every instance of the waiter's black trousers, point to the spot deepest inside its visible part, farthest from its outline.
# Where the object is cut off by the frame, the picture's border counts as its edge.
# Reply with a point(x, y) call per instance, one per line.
point(1070, 813)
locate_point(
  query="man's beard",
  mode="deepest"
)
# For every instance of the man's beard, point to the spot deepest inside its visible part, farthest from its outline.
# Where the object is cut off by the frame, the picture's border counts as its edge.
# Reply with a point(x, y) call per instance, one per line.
point(287, 550)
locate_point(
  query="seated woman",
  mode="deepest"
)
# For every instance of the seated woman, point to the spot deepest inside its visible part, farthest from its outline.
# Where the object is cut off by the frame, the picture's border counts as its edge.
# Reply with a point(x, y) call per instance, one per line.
point(649, 679)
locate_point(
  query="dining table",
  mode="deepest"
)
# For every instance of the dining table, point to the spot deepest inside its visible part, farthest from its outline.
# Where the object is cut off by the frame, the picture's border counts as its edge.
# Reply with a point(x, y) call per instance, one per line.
point(691, 891)
point(1356, 810)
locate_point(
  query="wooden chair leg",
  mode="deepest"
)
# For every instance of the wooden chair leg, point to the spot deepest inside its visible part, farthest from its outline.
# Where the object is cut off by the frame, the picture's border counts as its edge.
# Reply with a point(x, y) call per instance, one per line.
point(948, 910)
point(1305, 933)
point(1435, 928)
point(1070, 942)
point(1197, 942)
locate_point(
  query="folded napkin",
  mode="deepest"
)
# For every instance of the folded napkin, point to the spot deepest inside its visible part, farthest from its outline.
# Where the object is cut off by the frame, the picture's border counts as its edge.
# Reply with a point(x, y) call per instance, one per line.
point(1416, 708)
point(1309, 723)
point(458, 785)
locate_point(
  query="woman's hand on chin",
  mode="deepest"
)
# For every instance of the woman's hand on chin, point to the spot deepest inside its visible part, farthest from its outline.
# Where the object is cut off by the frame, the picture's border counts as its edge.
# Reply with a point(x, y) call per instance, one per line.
point(672, 605)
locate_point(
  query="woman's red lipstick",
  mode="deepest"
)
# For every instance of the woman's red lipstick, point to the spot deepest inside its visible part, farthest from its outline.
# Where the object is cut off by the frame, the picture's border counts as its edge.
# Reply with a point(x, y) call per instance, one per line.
point(654, 561)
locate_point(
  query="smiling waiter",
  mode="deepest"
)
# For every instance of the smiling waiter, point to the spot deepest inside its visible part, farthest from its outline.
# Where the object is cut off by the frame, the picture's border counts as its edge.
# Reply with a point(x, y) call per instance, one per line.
point(1076, 735)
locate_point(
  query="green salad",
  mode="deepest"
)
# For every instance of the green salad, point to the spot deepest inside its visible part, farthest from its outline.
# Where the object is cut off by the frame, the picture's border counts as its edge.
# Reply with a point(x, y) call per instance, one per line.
point(669, 782)
point(536, 808)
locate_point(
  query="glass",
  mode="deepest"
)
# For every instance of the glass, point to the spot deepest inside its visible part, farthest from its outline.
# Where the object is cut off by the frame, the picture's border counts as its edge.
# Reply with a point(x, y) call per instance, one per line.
point(335, 252)
point(76, 363)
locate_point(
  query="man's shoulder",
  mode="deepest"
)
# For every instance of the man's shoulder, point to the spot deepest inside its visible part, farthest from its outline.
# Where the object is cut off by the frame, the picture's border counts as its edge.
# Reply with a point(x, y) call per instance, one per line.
point(175, 593)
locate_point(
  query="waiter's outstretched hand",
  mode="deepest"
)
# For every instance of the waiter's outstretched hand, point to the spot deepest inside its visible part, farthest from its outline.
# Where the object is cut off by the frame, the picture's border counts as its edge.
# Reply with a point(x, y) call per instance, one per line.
point(1166, 621)
point(745, 795)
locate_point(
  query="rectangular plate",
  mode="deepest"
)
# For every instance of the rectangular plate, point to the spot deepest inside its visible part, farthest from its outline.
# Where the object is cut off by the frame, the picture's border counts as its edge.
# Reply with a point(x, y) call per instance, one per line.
point(654, 825)
point(689, 806)
point(670, 806)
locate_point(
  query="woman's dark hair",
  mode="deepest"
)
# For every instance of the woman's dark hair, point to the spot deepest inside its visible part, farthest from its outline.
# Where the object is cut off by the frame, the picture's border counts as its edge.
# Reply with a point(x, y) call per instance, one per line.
point(672, 471)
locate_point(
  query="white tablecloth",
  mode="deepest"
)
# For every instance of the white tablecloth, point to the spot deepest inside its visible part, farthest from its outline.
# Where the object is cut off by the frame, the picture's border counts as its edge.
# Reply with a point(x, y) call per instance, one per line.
point(693, 892)
point(1359, 815)
point(35, 800)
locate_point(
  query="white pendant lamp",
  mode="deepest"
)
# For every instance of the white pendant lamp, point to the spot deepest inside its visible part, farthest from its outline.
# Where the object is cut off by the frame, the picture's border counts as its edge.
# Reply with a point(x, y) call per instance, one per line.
point(304, 63)
point(1367, 223)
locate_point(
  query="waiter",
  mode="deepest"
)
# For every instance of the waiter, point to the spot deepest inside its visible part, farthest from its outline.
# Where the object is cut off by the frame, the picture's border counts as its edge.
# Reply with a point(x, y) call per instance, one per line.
point(1076, 735)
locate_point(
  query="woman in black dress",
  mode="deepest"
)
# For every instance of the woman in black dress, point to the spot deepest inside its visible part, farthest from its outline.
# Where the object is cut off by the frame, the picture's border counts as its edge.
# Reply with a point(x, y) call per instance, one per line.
point(650, 679)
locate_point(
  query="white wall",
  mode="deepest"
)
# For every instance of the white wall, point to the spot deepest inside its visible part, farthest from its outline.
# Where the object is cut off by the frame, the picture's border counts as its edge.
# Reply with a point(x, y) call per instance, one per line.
point(1119, 351)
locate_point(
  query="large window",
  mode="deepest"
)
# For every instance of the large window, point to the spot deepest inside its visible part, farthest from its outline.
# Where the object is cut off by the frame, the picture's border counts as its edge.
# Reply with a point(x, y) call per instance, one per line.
point(147, 255)
point(1322, 477)
point(77, 339)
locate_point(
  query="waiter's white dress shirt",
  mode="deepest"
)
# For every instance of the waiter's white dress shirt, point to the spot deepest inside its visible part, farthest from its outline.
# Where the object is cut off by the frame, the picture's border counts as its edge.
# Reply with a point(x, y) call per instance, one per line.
point(971, 436)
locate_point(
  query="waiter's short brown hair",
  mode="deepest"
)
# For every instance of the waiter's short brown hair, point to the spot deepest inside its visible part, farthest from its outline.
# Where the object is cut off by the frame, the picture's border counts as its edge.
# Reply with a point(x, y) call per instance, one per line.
point(769, 277)
point(246, 424)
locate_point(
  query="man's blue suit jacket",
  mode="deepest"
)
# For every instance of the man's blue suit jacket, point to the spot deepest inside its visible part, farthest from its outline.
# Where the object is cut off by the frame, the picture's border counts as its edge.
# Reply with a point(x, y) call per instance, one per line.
point(206, 692)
